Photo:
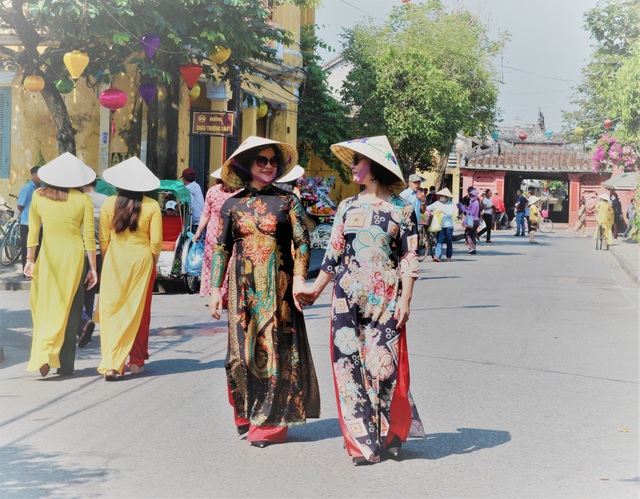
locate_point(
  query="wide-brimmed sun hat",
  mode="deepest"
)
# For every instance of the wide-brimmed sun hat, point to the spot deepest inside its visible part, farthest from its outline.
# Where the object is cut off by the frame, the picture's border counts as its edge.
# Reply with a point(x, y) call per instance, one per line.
point(444, 192)
point(533, 200)
point(601, 196)
point(66, 171)
point(295, 173)
point(377, 149)
point(131, 175)
point(289, 158)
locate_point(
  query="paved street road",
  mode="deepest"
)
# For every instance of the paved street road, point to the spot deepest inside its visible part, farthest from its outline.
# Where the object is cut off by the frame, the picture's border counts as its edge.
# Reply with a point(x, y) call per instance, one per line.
point(524, 369)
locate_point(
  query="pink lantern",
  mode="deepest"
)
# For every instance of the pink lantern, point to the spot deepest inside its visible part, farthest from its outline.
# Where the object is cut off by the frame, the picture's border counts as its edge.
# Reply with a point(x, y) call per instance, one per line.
point(150, 44)
point(607, 123)
point(523, 136)
point(147, 92)
point(113, 98)
point(190, 73)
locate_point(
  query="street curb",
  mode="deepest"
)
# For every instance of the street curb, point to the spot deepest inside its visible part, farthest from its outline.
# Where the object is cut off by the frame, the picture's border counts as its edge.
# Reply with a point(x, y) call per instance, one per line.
point(625, 265)
point(15, 285)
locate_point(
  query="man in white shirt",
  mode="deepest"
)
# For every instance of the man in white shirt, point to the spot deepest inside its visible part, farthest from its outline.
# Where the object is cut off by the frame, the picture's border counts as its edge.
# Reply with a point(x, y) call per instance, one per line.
point(188, 178)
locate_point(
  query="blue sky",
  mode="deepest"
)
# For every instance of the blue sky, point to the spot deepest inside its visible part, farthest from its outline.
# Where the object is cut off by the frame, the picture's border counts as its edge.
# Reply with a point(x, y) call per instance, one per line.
point(540, 64)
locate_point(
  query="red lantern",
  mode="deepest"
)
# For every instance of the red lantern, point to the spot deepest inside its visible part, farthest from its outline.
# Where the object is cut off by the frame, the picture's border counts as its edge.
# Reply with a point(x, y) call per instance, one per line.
point(190, 73)
point(607, 123)
point(523, 136)
point(113, 98)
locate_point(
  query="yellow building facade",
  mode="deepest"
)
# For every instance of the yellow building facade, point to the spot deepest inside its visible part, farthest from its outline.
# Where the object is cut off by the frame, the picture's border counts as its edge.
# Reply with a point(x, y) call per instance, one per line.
point(27, 128)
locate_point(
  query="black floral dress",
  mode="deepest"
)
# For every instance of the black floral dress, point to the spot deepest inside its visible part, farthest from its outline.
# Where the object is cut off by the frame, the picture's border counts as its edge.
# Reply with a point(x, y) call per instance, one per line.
point(371, 247)
point(270, 371)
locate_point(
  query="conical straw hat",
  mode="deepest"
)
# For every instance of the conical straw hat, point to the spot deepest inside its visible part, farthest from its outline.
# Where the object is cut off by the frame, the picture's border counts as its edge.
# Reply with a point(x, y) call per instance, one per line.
point(376, 149)
point(66, 171)
point(295, 173)
point(217, 174)
point(132, 175)
point(444, 192)
point(289, 159)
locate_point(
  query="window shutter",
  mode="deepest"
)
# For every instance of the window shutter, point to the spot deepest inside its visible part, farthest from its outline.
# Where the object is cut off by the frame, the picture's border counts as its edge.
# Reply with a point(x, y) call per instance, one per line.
point(5, 132)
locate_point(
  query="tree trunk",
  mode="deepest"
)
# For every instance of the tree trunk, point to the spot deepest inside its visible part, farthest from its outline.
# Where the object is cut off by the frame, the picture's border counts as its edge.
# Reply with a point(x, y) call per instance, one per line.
point(442, 168)
point(66, 134)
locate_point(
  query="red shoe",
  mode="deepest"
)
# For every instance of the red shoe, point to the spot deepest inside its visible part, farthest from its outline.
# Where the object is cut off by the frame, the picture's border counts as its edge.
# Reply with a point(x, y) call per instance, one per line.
point(436, 259)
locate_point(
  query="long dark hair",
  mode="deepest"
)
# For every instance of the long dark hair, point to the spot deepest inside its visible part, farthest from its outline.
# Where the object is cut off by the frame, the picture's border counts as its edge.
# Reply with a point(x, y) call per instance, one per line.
point(241, 164)
point(381, 174)
point(127, 211)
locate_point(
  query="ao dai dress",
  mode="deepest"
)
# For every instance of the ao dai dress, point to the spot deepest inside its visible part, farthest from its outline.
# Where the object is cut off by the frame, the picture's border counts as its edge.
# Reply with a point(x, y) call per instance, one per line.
point(371, 247)
point(270, 372)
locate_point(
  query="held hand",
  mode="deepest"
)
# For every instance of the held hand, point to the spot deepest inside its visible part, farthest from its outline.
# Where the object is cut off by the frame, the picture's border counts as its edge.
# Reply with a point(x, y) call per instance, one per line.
point(28, 269)
point(299, 297)
point(402, 312)
point(215, 303)
point(308, 295)
point(91, 280)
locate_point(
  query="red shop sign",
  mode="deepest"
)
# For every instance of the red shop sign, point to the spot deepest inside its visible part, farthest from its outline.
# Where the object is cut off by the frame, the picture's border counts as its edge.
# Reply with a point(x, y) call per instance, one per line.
point(217, 123)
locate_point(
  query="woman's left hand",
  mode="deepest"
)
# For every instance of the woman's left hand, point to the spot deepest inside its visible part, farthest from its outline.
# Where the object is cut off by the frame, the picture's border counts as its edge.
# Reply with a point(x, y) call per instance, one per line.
point(91, 280)
point(402, 312)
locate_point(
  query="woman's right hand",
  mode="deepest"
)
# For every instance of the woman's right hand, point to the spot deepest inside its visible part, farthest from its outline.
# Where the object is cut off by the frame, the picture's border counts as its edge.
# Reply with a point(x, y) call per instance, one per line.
point(215, 303)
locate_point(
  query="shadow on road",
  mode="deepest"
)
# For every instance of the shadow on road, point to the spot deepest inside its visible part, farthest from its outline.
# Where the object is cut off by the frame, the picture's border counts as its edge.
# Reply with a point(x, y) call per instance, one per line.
point(464, 441)
point(30, 473)
point(176, 366)
point(315, 430)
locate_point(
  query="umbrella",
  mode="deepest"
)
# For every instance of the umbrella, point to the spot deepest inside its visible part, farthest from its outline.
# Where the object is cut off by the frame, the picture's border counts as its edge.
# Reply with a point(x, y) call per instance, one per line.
point(624, 182)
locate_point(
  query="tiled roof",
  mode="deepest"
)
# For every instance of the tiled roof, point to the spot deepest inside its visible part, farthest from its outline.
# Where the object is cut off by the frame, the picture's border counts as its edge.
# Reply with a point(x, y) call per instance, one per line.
point(524, 157)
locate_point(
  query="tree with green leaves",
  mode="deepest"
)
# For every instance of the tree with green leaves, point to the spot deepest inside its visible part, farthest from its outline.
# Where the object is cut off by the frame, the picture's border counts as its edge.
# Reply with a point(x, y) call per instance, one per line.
point(420, 78)
point(322, 120)
point(110, 31)
point(609, 86)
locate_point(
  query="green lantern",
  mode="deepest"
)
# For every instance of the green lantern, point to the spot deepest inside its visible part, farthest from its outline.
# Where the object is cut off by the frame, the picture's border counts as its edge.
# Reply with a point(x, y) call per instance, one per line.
point(64, 85)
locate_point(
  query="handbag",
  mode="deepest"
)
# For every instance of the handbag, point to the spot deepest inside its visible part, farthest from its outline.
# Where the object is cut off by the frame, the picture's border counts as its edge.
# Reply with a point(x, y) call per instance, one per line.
point(193, 265)
point(468, 220)
point(436, 222)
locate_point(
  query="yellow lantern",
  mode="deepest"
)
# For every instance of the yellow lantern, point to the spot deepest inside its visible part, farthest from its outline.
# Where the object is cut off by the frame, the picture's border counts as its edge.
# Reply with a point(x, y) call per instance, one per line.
point(262, 110)
point(194, 93)
point(76, 62)
point(33, 83)
point(220, 55)
point(579, 130)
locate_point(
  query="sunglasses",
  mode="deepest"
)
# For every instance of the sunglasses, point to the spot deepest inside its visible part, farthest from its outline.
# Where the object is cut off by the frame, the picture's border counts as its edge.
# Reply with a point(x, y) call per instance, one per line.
point(356, 159)
point(262, 161)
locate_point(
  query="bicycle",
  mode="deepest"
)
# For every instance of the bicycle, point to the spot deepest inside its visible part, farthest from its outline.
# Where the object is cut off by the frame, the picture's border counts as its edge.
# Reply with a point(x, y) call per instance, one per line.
point(10, 247)
point(426, 242)
point(600, 238)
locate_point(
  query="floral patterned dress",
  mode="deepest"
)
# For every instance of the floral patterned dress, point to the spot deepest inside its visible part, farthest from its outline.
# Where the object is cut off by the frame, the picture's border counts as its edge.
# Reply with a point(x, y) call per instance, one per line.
point(212, 205)
point(270, 372)
point(371, 247)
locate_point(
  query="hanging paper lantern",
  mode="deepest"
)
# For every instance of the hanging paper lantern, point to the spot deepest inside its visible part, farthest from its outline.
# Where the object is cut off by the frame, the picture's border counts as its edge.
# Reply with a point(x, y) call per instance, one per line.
point(64, 85)
point(220, 55)
point(194, 93)
point(578, 130)
point(148, 92)
point(190, 73)
point(113, 98)
point(33, 83)
point(548, 133)
point(607, 123)
point(76, 62)
point(262, 110)
point(523, 136)
point(150, 44)
point(495, 134)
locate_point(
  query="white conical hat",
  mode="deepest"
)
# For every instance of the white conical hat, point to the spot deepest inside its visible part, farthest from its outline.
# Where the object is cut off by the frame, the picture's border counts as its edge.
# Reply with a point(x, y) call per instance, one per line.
point(601, 196)
point(533, 200)
point(377, 149)
point(66, 171)
point(295, 173)
point(131, 175)
point(289, 158)
point(444, 192)
point(217, 174)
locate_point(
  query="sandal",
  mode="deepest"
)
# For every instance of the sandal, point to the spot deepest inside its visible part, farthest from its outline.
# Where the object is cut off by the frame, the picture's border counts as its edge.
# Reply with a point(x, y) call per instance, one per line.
point(111, 375)
point(44, 369)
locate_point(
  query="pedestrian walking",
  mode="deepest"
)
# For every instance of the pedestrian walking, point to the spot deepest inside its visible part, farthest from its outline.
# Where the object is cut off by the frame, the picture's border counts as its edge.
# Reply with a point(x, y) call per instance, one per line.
point(618, 217)
point(372, 254)
point(446, 208)
point(487, 215)
point(521, 207)
point(210, 225)
point(130, 242)
point(499, 211)
point(188, 178)
point(604, 218)
point(534, 218)
point(471, 221)
point(414, 194)
point(24, 202)
point(631, 216)
point(87, 326)
point(270, 374)
point(66, 216)
point(581, 224)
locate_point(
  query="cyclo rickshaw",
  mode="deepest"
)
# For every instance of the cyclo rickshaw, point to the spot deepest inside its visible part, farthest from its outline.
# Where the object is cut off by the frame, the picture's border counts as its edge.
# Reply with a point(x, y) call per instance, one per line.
point(171, 265)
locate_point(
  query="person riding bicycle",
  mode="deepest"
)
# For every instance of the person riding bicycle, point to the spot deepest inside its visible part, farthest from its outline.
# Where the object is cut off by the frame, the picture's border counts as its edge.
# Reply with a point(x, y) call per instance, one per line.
point(604, 218)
